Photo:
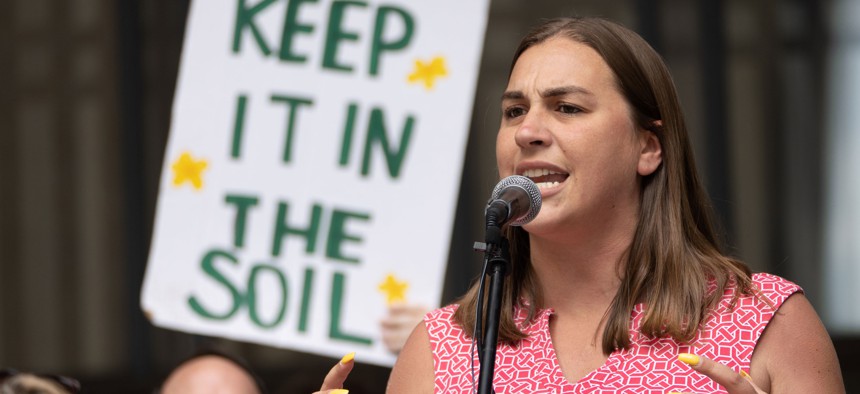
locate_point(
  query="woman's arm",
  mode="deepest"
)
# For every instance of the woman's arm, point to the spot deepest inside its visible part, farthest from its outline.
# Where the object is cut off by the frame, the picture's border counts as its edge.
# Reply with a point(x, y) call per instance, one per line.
point(796, 352)
point(413, 371)
point(793, 355)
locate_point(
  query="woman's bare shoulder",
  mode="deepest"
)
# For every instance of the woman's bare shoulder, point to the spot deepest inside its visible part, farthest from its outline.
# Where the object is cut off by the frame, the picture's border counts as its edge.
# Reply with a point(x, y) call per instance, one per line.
point(796, 351)
point(413, 371)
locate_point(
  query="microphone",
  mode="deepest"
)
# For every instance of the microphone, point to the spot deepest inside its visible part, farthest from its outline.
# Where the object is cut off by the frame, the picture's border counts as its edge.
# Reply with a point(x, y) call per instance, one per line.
point(515, 200)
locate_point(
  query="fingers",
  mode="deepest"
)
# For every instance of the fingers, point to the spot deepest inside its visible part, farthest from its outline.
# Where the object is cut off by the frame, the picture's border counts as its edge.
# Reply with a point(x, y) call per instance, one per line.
point(747, 376)
point(399, 323)
point(394, 339)
point(406, 312)
point(333, 382)
point(733, 382)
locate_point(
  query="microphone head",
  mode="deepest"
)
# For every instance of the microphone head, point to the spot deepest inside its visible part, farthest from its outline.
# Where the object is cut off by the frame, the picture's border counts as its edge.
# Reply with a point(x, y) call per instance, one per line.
point(532, 192)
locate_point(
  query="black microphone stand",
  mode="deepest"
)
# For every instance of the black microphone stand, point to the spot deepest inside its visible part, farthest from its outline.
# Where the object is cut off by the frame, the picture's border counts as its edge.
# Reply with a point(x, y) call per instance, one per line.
point(497, 252)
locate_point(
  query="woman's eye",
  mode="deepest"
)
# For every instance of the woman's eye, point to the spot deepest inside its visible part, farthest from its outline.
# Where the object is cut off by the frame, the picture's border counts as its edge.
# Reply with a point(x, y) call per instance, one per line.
point(568, 109)
point(514, 112)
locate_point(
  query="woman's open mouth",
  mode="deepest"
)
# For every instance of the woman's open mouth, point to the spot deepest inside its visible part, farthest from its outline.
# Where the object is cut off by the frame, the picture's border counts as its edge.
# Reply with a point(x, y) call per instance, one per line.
point(545, 178)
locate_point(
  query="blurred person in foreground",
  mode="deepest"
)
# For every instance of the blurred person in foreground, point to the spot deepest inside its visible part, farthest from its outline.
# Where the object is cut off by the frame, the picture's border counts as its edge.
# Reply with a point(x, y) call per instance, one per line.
point(212, 372)
point(13, 381)
point(619, 284)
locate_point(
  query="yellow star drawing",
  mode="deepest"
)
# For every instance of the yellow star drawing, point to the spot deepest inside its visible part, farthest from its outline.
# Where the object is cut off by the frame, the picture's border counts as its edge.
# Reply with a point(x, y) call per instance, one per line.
point(428, 72)
point(187, 169)
point(393, 289)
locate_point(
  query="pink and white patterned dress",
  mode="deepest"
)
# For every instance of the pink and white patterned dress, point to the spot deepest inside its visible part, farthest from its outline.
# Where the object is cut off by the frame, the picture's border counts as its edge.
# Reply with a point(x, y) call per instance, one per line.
point(647, 366)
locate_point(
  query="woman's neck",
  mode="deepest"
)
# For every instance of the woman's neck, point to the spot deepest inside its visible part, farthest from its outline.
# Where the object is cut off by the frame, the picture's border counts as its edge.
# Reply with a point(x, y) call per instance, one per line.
point(579, 275)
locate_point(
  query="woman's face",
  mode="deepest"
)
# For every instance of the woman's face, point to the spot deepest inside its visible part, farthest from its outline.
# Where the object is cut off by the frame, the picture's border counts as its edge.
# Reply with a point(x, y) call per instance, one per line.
point(566, 125)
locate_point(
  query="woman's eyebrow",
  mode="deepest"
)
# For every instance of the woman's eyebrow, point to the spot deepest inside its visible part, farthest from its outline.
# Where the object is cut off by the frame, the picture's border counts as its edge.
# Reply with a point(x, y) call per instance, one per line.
point(565, 90)
point(512, 95)
point(551, 92)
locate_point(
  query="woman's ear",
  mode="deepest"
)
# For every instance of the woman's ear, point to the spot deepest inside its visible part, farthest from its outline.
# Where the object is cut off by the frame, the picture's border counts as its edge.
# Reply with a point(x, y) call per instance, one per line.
point(651, 151)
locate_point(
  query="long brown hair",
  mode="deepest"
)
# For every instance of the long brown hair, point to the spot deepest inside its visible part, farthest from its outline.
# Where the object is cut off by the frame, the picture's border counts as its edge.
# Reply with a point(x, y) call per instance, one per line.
point(675, 254)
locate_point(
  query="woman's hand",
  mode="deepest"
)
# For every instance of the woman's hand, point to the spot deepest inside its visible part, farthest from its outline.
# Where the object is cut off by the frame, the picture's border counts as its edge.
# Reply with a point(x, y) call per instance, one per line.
point(734, 382)
point(333, 382)
point(399, 323)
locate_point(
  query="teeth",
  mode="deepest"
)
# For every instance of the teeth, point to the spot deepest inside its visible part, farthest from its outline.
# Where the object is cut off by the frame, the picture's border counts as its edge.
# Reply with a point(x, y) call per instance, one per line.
point(533, 173)
point(544, 185)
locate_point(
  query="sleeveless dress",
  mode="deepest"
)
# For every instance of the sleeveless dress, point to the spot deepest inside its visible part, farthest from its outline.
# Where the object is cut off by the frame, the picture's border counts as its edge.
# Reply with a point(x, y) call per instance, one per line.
point(649, 365)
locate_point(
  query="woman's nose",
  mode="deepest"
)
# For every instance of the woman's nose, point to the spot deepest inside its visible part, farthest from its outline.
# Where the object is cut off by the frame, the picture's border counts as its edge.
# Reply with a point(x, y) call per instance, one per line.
point(532, 132)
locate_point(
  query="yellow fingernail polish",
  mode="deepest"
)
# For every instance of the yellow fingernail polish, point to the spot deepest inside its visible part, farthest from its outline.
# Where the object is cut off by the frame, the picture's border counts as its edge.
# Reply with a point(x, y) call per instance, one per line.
point(745, 375)
point(349, 357)
point(690, 359)
point(339, 391)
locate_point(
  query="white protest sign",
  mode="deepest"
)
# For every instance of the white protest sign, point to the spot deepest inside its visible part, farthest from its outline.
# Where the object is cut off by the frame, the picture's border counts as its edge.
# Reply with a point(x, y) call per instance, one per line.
point(312, 169)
